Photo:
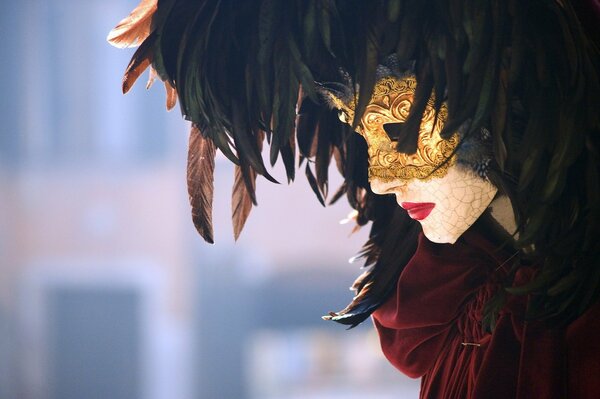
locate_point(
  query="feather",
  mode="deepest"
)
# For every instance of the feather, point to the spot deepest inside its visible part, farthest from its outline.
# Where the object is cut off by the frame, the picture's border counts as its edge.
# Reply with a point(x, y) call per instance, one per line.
point(151, 77)
point(529, 70)
point(241, 201)
point(338, 194)
point(288, 156)
point(301, 71)
point(324, 153)
point(243, 193)
point(393, 10)
point(517, 43)
point(284, 119)
point(391, 243)
point(366, 75)
point(489, 85)
point(498, 121)
point(475, 20)
point(223, 143)
point(171, 95)
point(340, 161)
point(410, 129)
point(324, 22)
point(313, 183)
point(267, 20)
point(140, 61)
point(309, 27)
point(248, 147)
point(307, 122)
point(200, 175)
point(135, 28)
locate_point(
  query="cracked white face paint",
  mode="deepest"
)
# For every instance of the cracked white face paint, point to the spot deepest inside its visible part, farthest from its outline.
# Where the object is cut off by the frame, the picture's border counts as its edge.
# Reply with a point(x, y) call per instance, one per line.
point(447, 206)
point(444, 197)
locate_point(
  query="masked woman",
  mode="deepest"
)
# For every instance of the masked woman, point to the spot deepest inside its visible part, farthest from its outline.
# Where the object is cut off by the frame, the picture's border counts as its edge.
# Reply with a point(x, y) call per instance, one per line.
point(448, 318)
point(476, 162)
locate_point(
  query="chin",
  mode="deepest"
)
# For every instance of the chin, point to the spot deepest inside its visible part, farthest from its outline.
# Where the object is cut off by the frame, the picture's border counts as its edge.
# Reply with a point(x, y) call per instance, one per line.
point(434, 235)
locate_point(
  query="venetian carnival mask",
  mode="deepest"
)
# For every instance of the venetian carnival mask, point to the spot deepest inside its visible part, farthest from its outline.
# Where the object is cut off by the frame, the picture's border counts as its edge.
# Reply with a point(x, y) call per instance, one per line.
point(433, 185)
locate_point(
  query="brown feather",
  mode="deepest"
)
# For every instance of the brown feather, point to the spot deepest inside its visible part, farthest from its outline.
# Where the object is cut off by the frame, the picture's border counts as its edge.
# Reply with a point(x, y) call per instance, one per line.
point(243, 193)
point(171, 91)
point(171, 95)
point(140, 61)
point(135, 28)
point(200, 180)
point(152, 75)
point(241, 201)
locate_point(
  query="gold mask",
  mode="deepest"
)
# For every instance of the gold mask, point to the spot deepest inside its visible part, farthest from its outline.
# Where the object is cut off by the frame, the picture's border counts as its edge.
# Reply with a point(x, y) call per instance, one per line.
point(390, 103)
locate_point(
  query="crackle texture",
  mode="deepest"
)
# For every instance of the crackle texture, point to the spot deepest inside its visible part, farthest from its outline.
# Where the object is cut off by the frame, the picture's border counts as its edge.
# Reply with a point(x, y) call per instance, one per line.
point(460, 197)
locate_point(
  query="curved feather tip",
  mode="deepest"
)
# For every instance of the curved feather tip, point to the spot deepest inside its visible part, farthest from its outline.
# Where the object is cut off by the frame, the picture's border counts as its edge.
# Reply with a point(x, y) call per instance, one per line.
point(135, 28)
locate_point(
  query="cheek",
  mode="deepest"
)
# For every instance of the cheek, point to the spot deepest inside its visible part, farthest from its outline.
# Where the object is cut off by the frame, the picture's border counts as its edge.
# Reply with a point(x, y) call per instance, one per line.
point(467, 198)
point(460, 200)
point(432, 190)
point(462, 194)
point(454, 197)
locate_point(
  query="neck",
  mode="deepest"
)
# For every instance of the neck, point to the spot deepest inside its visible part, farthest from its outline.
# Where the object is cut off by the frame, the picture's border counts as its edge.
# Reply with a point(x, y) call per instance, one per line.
point(502, 213)
point(497, 223)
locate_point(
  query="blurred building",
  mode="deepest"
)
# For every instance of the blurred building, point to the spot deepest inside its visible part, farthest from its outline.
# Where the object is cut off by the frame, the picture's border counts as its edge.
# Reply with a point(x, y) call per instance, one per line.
point(106, 291)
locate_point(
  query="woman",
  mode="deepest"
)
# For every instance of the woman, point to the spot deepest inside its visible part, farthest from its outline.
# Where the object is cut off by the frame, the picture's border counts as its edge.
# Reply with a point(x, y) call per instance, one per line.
point(440, 322)
point(484, 263)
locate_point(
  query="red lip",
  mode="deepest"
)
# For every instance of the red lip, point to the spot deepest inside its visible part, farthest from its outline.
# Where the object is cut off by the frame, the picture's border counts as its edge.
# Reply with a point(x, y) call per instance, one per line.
point(418, 210)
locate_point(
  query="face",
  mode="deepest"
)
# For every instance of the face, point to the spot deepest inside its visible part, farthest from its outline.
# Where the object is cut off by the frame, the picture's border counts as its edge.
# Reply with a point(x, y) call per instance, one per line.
point(445, 206)
point(444, 197)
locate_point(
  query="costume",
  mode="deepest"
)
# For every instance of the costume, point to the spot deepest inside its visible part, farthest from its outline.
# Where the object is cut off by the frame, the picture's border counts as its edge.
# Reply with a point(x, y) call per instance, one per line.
point(431, 328)
point(459, 103)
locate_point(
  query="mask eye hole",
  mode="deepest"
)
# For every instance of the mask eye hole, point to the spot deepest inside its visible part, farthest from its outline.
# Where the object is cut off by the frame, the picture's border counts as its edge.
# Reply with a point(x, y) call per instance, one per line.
point(393, 130)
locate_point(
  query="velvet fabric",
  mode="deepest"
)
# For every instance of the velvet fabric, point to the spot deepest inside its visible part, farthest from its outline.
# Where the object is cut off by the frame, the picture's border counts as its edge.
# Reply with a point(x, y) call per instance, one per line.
point(431, 328)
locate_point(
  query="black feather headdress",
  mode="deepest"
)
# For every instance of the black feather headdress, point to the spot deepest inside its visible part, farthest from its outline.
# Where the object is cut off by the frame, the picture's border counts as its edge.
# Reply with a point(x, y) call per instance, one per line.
point(245, 72)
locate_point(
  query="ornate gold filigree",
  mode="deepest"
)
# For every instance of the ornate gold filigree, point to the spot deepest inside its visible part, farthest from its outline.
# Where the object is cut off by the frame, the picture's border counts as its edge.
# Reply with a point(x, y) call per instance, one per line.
point(390, 103)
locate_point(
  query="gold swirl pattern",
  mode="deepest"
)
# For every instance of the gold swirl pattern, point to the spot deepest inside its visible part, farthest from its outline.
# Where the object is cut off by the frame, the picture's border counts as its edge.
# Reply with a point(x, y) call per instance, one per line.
point(390, 103)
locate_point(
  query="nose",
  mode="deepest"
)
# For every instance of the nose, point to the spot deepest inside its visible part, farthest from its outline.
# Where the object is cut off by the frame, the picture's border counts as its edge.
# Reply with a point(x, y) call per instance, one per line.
point(392, 187)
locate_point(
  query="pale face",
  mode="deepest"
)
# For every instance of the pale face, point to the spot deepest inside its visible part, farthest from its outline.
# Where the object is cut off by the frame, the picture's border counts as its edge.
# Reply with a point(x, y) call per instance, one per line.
point(444, 197)
point(446, 207)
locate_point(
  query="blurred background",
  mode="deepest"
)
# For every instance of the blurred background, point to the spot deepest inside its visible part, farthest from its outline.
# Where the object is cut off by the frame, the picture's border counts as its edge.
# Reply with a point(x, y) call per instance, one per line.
point(106, 290)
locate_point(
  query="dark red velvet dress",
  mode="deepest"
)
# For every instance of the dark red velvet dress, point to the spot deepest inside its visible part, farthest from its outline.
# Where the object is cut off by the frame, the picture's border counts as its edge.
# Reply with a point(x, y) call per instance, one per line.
point(431, 328)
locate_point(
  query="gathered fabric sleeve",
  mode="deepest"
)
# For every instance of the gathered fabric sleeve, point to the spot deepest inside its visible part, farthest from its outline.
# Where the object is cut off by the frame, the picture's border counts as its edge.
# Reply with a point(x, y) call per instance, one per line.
point(431, 327)
point(415, 324)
